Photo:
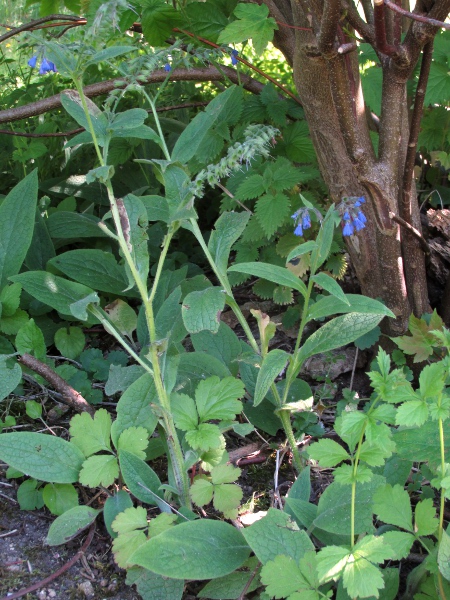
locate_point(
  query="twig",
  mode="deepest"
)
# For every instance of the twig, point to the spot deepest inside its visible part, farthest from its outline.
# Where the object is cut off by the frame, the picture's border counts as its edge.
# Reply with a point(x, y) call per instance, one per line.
point(104, 87)
point(412, 229)
point(230, 195)
point(414, 17)
point(354, 368)
point(353, 17)
point(57, 573)
point(69, 396)
point(247, 585)
point(33, 24)
point(380, 30)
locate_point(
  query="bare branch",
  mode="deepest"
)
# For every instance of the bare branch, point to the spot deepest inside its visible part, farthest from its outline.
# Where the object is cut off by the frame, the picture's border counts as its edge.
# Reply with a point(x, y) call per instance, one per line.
point(368, 10)
point(415, 232)
point(97, 89)
point(328, 26)
point(33, 24)
point(415, 17)
point(353, 17)
point(70, 396)
point(380, 30)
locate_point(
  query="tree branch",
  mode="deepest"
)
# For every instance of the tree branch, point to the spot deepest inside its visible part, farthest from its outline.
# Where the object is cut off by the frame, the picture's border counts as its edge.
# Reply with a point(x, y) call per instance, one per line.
point(380, 30)
point(97, 89)
point(353, 17)
point(368, 10)
point(415, 17)
point(33, 24)
point(328, 27)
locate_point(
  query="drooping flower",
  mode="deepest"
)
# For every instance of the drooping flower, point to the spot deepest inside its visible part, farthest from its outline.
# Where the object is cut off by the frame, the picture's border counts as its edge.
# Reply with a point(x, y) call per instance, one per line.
point(234, 55)
point(32, 62)
point(46, 67)
point(302, 220)
point(306, 220)
point(298, 230)
point(167, 67)
point(348, 228)
point(353, 219)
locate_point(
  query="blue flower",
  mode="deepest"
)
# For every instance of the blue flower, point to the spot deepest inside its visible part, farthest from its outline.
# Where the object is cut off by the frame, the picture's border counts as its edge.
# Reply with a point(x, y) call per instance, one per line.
point(358, 224)
point(234, 60)
point(46, 67)
point(32, 61)
point(361, 216)
point(306, 221)
point(361, 199)
point(348, 228)
point(298, 230)
point(346, 216)
point(167, 67)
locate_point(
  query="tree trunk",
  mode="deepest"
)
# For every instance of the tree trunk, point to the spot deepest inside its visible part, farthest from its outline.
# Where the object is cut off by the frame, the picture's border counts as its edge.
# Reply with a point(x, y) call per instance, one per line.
point(389, 261)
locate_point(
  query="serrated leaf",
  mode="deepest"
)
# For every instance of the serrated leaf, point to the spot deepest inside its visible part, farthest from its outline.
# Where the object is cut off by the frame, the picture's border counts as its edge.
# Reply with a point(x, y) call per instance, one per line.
point(218, 399)
point(282, 577)
point(201, 492)
point(362, 578)
point(273, 363)
point(184, 412)
point(68, 525)
point(158, 20)
point(328, 453)
point(393, 506)
point(206, 19)
point(400, 542)
point(89, 434)
point(205, 437)
point(227, 497)
point(202, 310)
point(253, 22)
point(202, 549)
point(101, 469)
point(134, 440)
point(271, 211)
point(425, 521)
point(224, 474)
point(130, 519)
point(251, 187)
point(17, 216)
point(413, 413)
point(125, 545)
point(276, 534)
point(44, 457)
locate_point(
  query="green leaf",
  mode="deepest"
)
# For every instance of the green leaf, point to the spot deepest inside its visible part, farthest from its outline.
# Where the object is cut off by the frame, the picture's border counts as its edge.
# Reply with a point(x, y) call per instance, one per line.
point(204, 437)
point(223, 345)
point(227, 229)
point(184, 412)
point(432, 380)
point(393, 506)
point(68, 225)
point(201, 492)
point(413, 413)
point(60, 294)
point(330, 305)
point(94, 268)
point(89, 434)
point(218, 399)
point(225, 109)
point(152, 586)
point(202, 310)
point(101, 469)
point(134, 407)
point(227, 498)
point(229, 587)
point(363, 579)
point(206, 19)
point(195, 367)
point(133, 216)
point(10, 376)
point(30, 339)
point(296, 143)
point(252, 187)
point(141, 480)
point(158, 20)
point(301, 250)
point(425, 519)
point(400, 542)
point(253, 22)
point(271, 211)
point(70, 341)
point(444, 555)
point(422, 443)
point(106, 55)
point(277, 534)
point(334, 511)
point(71, 102)
point(283, 576)
point(33, 409)
point(29, 496)
point(134, 440)
point(328, 453)
point(122, 316)
point(336, 333)
point(273, 273)
point(60, 497)
point(273, 363)
point(330, 285)
point(17, 215)
point(44, 457)
point(113, 506)
point(10, 299)
point(202, 549)
point(224, 474)
point(67, 526)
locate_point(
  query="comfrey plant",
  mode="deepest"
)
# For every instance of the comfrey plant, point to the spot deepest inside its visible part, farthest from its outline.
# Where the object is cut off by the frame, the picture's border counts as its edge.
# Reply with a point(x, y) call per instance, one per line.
point(191, 400)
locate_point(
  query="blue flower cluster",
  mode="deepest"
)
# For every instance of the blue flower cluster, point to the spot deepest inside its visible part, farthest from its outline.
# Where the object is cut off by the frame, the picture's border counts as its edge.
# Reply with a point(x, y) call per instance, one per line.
point(45, 67)
point(353, 219)
point(302, 221)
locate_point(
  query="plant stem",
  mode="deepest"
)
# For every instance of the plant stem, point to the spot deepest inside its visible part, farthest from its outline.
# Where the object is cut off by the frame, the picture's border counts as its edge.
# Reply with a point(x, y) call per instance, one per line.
point(285, 418)
point(442, 498)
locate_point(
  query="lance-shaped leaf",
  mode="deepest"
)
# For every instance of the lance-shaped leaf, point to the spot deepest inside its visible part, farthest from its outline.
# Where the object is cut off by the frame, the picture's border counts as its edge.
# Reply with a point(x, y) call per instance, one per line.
point(71, 101)
point(141, 480)
point(70, 524)
point(229, 226)
point(10, 376)
point(134, 221)
point(328, 283)
point(279, 275)
point(272, 364)
point(330, 305)
point(17, 216)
